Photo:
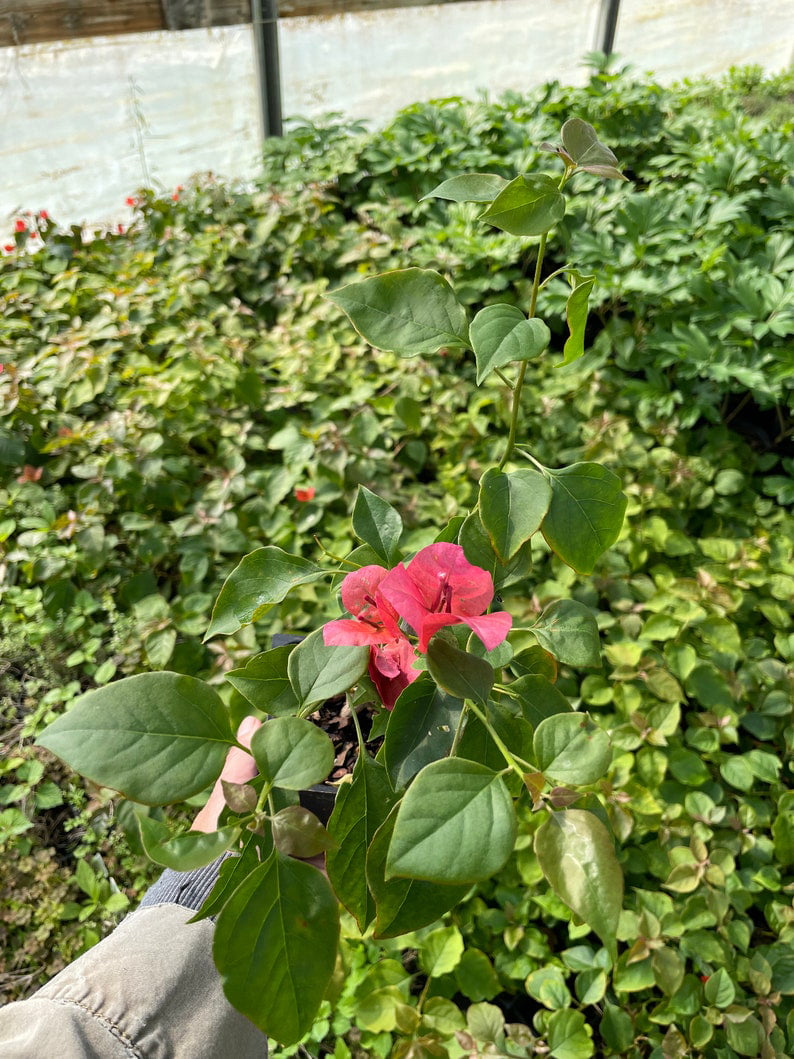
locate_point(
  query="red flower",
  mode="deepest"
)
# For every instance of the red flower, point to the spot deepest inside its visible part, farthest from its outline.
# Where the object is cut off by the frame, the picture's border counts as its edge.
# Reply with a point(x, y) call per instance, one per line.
point(177, 189)
point(34, 235)
point(375, 623)
point(30, 474)
point(44, 215)
point(20, 226)
point(120, 229)
point(130, 201)
point(306, 494)
point(10, 247)
point(441, 587)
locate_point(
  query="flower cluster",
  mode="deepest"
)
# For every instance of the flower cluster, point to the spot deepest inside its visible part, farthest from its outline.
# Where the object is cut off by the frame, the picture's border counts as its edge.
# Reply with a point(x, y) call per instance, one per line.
point(438, 587)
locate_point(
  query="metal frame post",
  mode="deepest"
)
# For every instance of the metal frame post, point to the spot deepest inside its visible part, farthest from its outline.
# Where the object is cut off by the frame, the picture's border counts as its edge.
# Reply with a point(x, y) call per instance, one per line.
point(264, 16)
point(607, 25)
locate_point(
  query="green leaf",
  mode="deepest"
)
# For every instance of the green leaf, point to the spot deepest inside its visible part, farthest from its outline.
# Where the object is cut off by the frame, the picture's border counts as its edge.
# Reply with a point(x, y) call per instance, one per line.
point(458, 672)
point(501, 334)
point(232, 872)
point(440, 951)
point(421, 729)
point(512, 507)
point(377, 524)
point(262, 578)
point(538, 699)
point(408, 312)
point(469, 187)
point(403, 905)
point(617, 1029)
point(292, 753)
point(568, 630)
point(479, 550)
point(570, 748)
point(265, 683)
point(361, 807)
point(275, 946)
point(156, 737)
point(582, 144)
point(585, 516)
point(577, 856)
point(318, 673)
point(528, 205)
point(568, 1036)
point(576, 315)
point(298, 833)
point(719, 989)
point(185, 852)
point(535, 662)
point(475, 976)
point(456, 824)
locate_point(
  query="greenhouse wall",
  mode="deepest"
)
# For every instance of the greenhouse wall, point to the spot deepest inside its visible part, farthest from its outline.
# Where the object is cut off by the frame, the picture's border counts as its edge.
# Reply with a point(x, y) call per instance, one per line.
point(86, 122)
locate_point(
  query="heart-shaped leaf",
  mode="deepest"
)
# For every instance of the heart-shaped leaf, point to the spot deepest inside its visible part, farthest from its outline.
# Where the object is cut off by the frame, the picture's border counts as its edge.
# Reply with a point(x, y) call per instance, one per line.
point(421, 729)
point(512, 506)
point(585, 516)
point(458, 672)
point(469, 187)
point(185, 852)
point(404, 905)
point(568, 630)
point(456, 824)
point(408, 312)
point(501, 334)
point(275, 946)
point(529, 205)
point(570, 748)
point(318, 673)
point(292, 753)
point(582, 144)
point(262, 578)
point(156, 738)
point(265, 683)
point(577, 856)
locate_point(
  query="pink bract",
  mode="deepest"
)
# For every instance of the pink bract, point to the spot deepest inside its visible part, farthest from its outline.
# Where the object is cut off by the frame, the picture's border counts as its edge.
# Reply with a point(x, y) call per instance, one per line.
point(441, 587)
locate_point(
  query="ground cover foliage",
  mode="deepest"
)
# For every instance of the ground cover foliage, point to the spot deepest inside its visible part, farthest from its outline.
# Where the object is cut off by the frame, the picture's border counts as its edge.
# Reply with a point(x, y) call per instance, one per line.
point(171, 391)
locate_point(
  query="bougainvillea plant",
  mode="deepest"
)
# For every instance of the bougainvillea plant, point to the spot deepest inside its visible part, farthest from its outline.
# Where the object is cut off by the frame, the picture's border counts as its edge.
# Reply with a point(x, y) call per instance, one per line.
point(470, 727)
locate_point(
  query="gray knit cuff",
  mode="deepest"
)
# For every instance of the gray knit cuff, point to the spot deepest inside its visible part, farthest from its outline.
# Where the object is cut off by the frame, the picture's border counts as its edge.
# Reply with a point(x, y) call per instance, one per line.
point(186, 888)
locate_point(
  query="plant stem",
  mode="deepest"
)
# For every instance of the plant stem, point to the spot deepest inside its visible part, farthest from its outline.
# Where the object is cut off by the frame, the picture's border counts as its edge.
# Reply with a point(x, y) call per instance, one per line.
point(335, 558)
point(533, 301)
point(511, 761)
point(358, 731)
point(459, 731)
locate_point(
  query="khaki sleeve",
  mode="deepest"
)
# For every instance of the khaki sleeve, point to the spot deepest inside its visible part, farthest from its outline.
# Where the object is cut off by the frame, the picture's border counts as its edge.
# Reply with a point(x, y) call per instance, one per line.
point(148, 991)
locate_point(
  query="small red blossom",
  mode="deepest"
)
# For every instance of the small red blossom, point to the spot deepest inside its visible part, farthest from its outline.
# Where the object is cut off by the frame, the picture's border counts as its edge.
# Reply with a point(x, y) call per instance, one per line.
point(44, 215)
point(20, 226)
point(440, 587)
point(306, 494)
point(375, 624)
point(29, 474)
point(34, 235)
point(9, 247)
point(120, 229)
point(704, 978)
point(130, 201)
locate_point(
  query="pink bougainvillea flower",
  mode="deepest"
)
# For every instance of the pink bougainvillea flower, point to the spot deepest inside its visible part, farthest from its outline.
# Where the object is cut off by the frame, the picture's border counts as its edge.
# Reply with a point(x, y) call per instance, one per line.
point(375, 623)
point(306, 494)
point(441, 587)
point(20, 226)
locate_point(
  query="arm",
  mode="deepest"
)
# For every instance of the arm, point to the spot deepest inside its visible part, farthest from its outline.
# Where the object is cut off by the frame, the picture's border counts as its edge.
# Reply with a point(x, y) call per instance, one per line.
point(150, 989)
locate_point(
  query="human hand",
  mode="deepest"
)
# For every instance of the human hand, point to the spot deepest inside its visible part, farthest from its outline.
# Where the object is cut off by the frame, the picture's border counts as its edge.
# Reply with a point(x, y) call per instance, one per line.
point(239, 768)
